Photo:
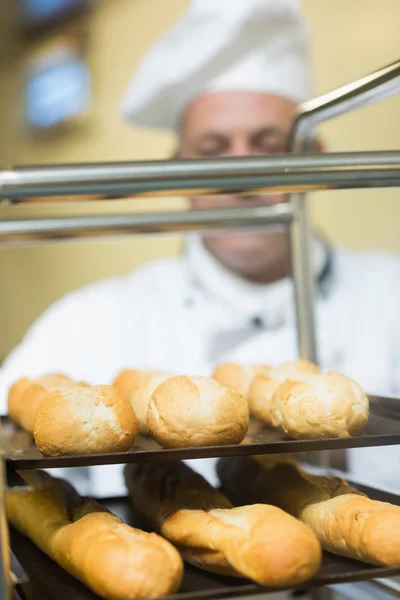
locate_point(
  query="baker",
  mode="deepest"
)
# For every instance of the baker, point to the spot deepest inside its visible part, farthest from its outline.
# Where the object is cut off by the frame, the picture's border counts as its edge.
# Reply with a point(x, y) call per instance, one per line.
point(227, 78)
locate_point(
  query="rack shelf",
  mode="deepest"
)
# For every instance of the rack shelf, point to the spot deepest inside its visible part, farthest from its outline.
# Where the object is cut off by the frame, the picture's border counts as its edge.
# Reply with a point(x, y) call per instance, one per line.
point(50, 582)
point(383, 429)
point(295, 173)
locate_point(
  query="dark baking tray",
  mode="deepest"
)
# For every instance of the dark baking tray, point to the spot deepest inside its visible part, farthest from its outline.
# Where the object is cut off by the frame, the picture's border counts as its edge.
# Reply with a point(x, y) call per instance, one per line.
point(383, 429)
point(49, 582)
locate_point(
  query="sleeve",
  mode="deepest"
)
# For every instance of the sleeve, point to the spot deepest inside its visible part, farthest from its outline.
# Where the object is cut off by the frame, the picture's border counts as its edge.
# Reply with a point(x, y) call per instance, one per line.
point(73, 336)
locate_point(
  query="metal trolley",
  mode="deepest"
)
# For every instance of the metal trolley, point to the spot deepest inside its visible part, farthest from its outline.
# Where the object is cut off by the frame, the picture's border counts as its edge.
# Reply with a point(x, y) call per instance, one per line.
point(296, 173)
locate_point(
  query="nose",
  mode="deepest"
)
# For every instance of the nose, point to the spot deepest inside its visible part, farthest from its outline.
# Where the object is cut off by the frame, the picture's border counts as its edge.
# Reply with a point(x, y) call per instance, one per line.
point(239, 147)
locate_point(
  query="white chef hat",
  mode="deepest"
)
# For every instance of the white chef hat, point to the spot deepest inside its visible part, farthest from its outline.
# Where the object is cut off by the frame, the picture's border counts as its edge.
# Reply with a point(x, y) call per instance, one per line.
point(221, 45)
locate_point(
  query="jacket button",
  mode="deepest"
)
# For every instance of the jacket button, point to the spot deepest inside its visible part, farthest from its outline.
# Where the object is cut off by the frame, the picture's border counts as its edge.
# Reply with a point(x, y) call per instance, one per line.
point(257, 323)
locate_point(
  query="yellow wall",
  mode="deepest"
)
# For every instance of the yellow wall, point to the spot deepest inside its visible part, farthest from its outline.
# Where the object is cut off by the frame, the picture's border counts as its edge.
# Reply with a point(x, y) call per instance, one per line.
point(33, 278)
point(350, 39)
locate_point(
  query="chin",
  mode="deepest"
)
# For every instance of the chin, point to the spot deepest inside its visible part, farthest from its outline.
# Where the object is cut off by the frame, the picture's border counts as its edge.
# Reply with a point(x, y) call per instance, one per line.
point(249, 253)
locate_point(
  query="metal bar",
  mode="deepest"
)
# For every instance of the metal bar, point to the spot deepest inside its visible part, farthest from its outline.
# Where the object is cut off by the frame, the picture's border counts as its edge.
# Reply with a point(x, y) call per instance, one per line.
point(303, 277)
point(5, 562)
point(18, 573)
point(374, 589)
point(365, 91)
point(206, 177)
point(28, 231)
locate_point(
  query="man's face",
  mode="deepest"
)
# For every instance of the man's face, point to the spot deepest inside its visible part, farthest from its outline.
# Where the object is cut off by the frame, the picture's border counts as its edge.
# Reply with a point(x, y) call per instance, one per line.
point(240, 124)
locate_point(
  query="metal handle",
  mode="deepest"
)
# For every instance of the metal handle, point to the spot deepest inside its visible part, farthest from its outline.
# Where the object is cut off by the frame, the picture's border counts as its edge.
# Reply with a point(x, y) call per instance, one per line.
point(29, 231)
point(365, 91)
point(379, 85)
point(266, 174)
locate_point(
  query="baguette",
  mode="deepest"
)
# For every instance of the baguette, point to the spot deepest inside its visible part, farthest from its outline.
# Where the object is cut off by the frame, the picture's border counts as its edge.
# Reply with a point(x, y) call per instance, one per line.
point(116, 561)
point(25, 395)
point(84, 420)
point(259, 542)
point(345, 521)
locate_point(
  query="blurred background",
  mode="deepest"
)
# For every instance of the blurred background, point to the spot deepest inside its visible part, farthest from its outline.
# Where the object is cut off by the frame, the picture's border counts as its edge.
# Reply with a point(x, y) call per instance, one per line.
point(64, 65)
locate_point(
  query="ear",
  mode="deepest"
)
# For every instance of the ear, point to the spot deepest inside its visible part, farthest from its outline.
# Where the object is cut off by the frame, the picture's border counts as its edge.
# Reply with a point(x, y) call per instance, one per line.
point(319, 146)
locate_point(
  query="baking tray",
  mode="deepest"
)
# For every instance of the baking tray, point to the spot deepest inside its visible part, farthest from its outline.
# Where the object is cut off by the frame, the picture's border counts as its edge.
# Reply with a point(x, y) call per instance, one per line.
point(49, 582)
point(383, 429)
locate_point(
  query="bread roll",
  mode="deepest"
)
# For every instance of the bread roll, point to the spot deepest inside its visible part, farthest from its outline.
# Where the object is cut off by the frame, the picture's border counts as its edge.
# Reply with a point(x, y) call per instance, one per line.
point(126, 381)
point(139, 397)
point(264, 385)
point(239, 377)
point(26, 394)
point(260, 542)
point(320, 406)
point(196, 411)
point(345, 521)
point(116, 561)
point(84, 420)
point(14, 398)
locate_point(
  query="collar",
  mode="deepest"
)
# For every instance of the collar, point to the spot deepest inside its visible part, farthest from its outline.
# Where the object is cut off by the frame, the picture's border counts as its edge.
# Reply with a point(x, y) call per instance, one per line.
point(271, 304)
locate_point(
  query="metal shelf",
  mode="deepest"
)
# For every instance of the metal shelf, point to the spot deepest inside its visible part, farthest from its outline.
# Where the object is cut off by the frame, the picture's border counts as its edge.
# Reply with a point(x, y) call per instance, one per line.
point(295, 173)
point(53, 583)
point(383, 429)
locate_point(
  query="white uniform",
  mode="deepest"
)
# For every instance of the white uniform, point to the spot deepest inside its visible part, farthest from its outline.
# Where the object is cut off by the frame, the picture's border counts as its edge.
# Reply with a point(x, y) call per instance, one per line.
point(183, 315)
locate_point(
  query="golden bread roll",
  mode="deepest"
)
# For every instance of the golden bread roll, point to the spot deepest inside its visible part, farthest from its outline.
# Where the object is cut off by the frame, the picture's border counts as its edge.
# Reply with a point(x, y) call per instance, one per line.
point(14, 398)
point(264, 385)
point(126, 381)
point(196, 411)
point(320, 406)
point(239, 377)
point(116, 561)
point(139, 397)
point(260, 542)
point(84, 420)
point(345, 521)
point(26, 394)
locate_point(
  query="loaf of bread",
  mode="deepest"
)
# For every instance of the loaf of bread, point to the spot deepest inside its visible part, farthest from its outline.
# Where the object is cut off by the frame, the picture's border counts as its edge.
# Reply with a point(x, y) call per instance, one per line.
point(264, 385)
point(320, 406)
point(116, 561)
point(345, 521)
point(196, 411)
point(239, 377)
point(137, 386)
point(260, 542)
point(14, 398)
point(140, 396)
point(84, 420)
point(128, 380)
point(26, 394)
